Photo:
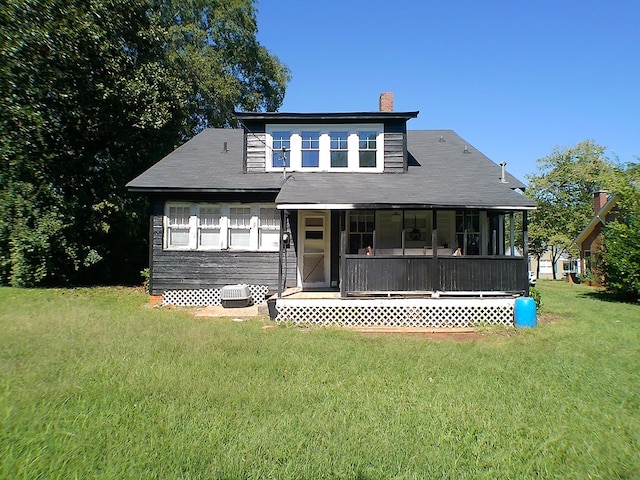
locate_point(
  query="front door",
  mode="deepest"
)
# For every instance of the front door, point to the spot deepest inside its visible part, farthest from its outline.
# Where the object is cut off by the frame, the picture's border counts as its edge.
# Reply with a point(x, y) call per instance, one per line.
point(314, 261)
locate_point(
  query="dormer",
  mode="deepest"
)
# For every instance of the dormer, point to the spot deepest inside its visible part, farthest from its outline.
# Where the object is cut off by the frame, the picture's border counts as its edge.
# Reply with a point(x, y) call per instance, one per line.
point(363, 142)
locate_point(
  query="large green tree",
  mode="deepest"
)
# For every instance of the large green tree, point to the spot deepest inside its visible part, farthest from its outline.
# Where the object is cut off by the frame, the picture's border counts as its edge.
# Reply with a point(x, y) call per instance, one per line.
point(619, 259)
point(91, 94)
point(564, 189)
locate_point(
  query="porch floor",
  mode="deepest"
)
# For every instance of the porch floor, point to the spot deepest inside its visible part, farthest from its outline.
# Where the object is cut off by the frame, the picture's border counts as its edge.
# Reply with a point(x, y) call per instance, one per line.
point(299, 294)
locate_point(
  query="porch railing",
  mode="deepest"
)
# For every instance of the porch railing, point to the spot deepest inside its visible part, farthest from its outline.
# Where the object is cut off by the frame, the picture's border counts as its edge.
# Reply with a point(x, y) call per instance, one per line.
point(394, 273)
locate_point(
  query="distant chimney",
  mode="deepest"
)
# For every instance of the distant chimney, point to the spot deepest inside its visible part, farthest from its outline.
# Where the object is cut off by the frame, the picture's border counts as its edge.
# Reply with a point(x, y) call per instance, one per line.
point(599, 199)
point(386, 102)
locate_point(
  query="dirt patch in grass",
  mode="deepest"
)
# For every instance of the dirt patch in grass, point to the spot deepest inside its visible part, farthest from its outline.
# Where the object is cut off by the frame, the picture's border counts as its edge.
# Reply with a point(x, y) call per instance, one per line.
point(548, 318)
point(450, 336)
point(454, 336)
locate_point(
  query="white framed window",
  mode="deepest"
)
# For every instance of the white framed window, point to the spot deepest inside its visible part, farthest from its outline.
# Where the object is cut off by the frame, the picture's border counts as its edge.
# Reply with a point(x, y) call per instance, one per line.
point(239, 227)
point(310, 149)
point(178, 226)
point(339, 149)
point(281, 146)
point(269, 228)
point(367, 149)
point(326, 147)
point(208, 218)
point(205, 226)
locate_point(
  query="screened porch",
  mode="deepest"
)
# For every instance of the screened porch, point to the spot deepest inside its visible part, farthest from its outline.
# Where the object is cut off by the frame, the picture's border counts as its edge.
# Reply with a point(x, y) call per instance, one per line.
point(368, 252)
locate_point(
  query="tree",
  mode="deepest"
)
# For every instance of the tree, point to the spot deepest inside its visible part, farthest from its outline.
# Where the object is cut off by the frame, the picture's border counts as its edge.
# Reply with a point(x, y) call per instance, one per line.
point(91, 94)
point(619, 259)
point(564, 191)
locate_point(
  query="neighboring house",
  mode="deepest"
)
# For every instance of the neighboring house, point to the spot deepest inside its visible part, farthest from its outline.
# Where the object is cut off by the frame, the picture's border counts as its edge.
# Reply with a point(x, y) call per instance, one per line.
point(564, 266)
point(351, 203)
point(587, 240)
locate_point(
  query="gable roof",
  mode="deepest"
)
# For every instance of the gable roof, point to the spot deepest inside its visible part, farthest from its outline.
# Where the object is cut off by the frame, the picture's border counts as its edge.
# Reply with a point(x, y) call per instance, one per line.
point(600, 217)
point(440, 175)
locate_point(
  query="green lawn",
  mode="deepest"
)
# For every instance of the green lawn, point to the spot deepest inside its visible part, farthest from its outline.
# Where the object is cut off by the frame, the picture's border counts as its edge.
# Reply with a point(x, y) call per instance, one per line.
point(96, 384)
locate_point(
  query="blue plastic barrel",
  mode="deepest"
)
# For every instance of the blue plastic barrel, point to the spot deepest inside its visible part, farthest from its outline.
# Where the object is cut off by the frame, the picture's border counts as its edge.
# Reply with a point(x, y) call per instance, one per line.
point(525, 312)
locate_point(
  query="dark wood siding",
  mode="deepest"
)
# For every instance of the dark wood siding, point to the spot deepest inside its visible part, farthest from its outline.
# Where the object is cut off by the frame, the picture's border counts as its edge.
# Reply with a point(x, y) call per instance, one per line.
point(394, 152)
point(416, 273)
point(188, 269)
point(177, 270)
point(256, 152)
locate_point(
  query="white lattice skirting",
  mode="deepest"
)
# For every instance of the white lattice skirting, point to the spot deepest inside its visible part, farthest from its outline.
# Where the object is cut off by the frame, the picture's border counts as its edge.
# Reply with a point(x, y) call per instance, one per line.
point(405, 312)
point(205, 297)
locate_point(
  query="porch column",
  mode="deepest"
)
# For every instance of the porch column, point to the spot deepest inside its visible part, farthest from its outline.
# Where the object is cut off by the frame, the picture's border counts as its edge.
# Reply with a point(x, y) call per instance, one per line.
point(435, 277)
point(512, 228)
point(343, 251)
point(283, 228)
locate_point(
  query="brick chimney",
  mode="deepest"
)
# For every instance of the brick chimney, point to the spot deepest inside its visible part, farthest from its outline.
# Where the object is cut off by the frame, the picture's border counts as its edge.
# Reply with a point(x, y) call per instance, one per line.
point(386, 102)
point(599, 199)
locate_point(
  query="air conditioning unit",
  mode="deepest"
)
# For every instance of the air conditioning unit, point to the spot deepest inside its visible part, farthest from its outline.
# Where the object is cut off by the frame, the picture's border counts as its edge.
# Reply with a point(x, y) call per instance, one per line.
point(234, 296)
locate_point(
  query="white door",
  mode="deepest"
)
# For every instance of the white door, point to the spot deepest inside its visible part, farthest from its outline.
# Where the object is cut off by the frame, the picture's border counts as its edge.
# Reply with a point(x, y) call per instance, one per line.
point(314, 261)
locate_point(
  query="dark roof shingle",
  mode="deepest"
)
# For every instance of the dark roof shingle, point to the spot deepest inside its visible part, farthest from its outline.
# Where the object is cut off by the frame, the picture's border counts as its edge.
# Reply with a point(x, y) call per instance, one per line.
point(441, 174)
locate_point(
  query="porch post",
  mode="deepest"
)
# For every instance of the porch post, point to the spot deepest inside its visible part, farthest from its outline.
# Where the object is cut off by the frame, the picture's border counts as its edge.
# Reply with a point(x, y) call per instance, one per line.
point(435, 277)
point(512, 241)
point(283, 228)
point(525, 247)
point(343, 251)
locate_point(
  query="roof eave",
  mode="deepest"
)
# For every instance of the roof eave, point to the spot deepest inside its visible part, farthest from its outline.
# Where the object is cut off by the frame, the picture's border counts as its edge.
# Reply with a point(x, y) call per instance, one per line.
point(201, 190)
point(597, 218)
point(390, 206)
point(349, 116)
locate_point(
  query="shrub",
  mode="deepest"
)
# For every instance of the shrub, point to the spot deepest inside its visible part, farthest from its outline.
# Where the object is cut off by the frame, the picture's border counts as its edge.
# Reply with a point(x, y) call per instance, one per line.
point(621, 258)
point(537, 297)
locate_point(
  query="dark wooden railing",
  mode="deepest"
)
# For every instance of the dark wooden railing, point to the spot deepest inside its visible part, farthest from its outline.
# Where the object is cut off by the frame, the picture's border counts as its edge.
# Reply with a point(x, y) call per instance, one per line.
point(396, 273)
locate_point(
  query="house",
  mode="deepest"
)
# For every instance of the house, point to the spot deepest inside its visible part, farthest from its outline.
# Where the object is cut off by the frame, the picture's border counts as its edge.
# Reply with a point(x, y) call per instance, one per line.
point(587, 241)
point(354, 205)
point(565, 265)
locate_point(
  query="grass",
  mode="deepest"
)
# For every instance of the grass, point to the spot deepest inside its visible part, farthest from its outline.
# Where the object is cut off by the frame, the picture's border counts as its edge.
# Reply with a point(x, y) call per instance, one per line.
point(95, 384)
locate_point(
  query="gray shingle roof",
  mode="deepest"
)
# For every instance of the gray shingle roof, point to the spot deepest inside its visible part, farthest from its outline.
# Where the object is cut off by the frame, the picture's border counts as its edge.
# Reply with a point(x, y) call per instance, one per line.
point(202, 165)
point(440, 174)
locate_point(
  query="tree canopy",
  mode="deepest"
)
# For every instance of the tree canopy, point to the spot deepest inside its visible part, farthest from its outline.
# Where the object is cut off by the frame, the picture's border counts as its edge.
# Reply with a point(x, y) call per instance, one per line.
point(91, 94)
point(619, 259)
point(564, 189)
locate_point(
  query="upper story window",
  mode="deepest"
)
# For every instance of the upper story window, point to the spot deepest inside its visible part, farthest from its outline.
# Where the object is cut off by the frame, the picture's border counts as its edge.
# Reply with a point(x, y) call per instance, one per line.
point(310, 149)
point(200, 226)
point(339, 149)
point(367, 149)
point(281, 147)
point(320, 148)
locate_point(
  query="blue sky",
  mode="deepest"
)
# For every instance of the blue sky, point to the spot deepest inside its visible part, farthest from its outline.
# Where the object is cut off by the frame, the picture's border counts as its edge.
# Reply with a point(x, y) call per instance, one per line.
point(515, 79)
